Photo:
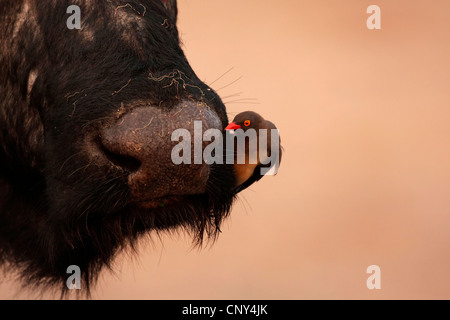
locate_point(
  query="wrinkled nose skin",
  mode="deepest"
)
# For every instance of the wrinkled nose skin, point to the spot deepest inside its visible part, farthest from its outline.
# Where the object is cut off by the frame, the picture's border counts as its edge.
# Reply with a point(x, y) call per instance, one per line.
point(143, 137)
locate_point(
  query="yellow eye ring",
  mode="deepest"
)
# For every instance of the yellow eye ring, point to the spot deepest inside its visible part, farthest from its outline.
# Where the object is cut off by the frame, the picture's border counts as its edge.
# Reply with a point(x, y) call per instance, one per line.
point(247, 123)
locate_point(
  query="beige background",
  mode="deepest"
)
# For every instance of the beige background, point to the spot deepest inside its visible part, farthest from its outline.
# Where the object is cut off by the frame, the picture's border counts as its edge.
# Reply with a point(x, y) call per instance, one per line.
point(365, 178)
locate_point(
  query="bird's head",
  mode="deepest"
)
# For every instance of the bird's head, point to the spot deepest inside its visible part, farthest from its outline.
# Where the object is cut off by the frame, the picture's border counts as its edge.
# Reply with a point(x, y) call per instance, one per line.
point(247, 120)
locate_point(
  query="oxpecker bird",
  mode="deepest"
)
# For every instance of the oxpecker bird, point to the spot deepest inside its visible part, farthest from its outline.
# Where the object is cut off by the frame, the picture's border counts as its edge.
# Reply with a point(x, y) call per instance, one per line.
point(250, 172)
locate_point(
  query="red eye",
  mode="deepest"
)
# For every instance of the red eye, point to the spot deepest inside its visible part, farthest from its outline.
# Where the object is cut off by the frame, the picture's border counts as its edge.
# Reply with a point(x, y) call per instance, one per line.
point(247, 123)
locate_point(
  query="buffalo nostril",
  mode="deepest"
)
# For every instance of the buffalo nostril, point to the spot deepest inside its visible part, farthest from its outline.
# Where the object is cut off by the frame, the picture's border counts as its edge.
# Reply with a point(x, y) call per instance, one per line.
point(125, 162)
point(141, 142)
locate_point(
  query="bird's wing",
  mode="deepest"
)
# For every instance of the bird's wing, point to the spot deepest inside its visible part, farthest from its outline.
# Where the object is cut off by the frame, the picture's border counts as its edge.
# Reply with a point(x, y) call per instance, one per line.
point(257, 173)
point(255, 177)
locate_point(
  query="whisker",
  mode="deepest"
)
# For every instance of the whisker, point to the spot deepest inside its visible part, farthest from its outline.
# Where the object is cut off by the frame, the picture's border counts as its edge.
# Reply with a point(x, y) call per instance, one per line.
point(65, 161)
point(241, 102)
point(232, 95)
point(81, 168)
point(246, 99)
point(226, 72)
point(230, 84)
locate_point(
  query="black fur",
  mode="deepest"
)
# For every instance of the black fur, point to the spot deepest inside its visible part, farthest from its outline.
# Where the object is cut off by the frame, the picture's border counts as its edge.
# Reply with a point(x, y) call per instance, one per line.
point(56, 208)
